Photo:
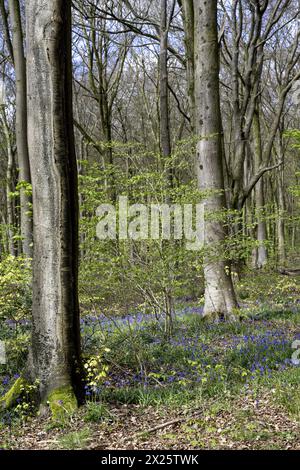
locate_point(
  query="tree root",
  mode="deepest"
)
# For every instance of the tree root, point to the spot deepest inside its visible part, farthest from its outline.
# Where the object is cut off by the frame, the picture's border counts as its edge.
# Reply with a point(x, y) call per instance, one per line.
point(218, 317)
point(9, 400)
point(62, 402)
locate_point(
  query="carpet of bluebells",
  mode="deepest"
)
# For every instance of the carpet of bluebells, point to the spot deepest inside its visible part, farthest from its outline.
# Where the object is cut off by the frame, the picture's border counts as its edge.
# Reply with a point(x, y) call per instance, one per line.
point(131, 352)
point(199, 355)
point(242, 376)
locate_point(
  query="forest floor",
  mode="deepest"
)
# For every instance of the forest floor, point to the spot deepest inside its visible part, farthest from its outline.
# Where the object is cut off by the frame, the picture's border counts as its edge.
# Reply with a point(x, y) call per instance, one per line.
point(247, 422)
point(211, 386)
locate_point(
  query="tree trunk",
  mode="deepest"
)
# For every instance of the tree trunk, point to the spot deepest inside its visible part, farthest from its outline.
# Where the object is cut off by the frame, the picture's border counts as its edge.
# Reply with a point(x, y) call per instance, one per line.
point(220, 300)
point(21, 125)
point(9, 187)
point(55, 352)
point(165, 138)
point(189, 35)
point(280, 222)
point(262, 258)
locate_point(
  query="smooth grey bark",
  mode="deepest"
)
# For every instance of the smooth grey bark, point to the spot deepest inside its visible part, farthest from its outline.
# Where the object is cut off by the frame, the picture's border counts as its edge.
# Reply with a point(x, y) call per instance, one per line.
point(262, 257)
point(189, 38)
point(165, 137)
point(280, 222)
point(21, 125)
point(220, 299)
point(165, 133)
point(55, 351)
point(281, 206)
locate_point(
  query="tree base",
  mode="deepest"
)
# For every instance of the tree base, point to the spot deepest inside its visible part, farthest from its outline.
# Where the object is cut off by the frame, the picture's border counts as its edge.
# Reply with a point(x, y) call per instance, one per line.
point(216, 317)
point(62, 402)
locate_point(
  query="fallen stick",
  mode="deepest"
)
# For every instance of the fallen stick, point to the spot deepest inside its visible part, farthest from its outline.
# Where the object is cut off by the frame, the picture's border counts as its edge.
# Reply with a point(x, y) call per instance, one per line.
point(164, 425)
point(289, 272)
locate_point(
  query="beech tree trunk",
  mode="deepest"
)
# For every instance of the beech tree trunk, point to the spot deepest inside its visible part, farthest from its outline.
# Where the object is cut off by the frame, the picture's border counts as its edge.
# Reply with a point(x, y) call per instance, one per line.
point(262, 257)
point(21, 125)
point(55, 352)
point(189, 38)
point(220, 299)
point(280, 222)
point(165, 137)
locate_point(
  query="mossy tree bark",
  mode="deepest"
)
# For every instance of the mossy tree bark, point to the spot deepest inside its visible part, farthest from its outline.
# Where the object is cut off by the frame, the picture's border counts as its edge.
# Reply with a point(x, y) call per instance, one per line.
point(55, 352)
point(220, 299)
point(10, 398)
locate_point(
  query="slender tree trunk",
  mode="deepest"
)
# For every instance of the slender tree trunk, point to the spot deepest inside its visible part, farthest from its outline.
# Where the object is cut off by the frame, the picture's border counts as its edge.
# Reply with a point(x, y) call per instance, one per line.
point(55, 352)
point(280, 222)
point(220, 297)
point(281, 203)
point(294, 238)
point(262, 258)
point(165, 137)
point(21, 125)
point(9, 187)
point(280, 227)
point(9, 203)
point(189, 24)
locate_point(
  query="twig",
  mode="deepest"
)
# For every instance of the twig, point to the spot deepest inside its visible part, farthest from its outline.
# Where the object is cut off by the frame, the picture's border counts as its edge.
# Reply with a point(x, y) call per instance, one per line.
point(164, 425)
